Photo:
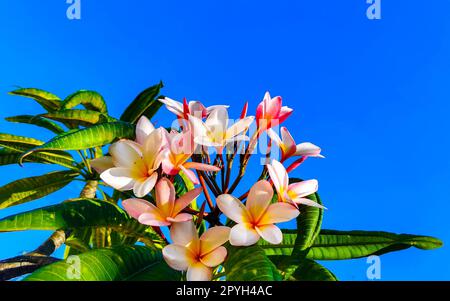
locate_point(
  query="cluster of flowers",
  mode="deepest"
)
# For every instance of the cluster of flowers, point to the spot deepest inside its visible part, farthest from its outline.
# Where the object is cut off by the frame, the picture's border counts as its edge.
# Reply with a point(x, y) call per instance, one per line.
point(156, 156)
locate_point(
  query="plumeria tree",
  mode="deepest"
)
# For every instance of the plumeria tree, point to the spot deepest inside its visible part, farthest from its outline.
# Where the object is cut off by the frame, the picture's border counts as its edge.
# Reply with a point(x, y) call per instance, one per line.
point(161, 203)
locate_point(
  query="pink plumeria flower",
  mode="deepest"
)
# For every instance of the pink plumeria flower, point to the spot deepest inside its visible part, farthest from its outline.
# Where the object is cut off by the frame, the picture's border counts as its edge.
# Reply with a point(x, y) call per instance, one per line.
point(197, 256)
point(133, 166)
point(214, 132)
point(167, 209)
point(180, 149)
point(195, 108)
point(257, 217)
point(288, 147)
point(294, 193)
point(270, 112)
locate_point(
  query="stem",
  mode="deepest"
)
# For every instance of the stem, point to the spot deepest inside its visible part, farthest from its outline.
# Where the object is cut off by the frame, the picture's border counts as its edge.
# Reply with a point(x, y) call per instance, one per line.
point(205, 190)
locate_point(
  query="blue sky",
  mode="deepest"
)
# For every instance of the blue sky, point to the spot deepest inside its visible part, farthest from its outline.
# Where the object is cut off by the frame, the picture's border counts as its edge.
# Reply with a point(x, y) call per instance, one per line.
point(374, 94)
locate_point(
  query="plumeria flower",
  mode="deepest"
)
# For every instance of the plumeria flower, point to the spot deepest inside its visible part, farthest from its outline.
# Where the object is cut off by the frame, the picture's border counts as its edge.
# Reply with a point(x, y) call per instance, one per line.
point(183, 110)
point(294, 193)
point(270, 112)
point(197, 256)
point(180, 149)
point(288, 147)
point(167, 209)
point(133, 166)
point(215, 132)
point(257, 217)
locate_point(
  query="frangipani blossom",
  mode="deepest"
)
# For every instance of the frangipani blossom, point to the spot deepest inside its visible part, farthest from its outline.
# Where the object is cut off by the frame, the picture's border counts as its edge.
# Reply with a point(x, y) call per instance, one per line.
point(257, 217)
point(167, 209)
point(294, 193)
point(215, 131)
point(288, 147)
point(194, 108)
point(132, 166)
point(197, 256)
point(180, 149)
point(270, 112)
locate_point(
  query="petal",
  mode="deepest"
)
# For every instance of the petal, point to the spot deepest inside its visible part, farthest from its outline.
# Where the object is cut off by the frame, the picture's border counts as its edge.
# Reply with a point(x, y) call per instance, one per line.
point(285, 112)
point(190, 174)
point(153, 219)
point(304, 188)
point(233, 208)
point(165, 196)
point(199, 128)
point(308, 149)
point(275, 138)
point(206, 141)
point(239, 127)
point(173, 106)
point(213, 238)
point(141, 189)
point(201, 166)
point(243, 235)
point(177, 257)
point(101, 164)
point(182, 217)
point(259, 199)
point(152, 146)
point(308, 202)
point(124, 155)
point(218, 119)
point(198, 272)
point(118, 178)
point(185, 200)
point(273, 107)
point(136, 207)
point(279, 213)
point(184, 233)
point(270, 233)
point(278, 175)
point(215, 257)
point(288, 142)
point(197, 109)
point(143, 128)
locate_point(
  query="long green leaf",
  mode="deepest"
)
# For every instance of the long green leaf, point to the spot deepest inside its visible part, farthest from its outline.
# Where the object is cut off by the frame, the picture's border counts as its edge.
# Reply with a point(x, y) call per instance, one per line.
point(47, 100)
point(33, 188)
point(79, 117)
point(309, 270)
point(96, 135)
point(146, 103)
point(116, 264)
point(80, 214)
point(249, 264)
point(339, 245)
point(22, 144)
point(308, 222)
point(37, 120)
point(91, 100)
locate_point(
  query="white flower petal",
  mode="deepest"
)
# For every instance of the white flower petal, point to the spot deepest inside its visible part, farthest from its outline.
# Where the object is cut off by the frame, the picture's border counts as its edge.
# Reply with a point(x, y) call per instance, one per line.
point(270, 233)
point(199, 272)
point(118, 178)
point(243, 235)
point(233, 208)
point(177, 257)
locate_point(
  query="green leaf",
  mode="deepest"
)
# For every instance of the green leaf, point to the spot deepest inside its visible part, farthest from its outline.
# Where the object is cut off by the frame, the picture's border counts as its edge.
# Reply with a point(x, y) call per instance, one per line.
point(96, 135)
point(301, 269)
point(146, 103)
point(79, 117)
point(91, 100)
point(37, 120)
point(309, 270)
point(249, 264)
point(338, 245)
point(22, 144)
point(80, 214)
point(115, 264)
point(29, 189)
point(308, 222)
point(47, 100)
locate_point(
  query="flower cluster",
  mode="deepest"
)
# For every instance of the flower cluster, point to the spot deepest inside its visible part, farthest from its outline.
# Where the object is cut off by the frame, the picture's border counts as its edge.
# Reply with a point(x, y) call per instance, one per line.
point(149, 164)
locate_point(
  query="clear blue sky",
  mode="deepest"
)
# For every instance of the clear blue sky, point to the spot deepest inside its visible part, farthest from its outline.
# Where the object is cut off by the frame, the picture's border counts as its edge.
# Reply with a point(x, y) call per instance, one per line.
point(375, 95)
